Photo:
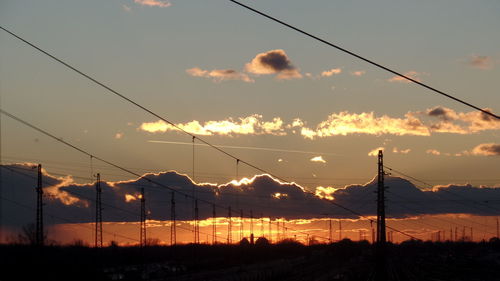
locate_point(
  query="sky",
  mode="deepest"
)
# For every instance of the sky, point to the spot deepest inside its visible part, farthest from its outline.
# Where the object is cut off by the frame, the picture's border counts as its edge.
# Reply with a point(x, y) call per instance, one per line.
point(292, 106)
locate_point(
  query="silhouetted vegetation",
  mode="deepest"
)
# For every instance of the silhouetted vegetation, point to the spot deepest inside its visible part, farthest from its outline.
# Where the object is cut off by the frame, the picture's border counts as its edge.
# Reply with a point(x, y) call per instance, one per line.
point(287, 260)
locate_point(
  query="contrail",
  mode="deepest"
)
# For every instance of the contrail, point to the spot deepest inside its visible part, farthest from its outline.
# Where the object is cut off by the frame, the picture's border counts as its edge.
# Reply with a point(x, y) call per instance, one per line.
point(246, 147)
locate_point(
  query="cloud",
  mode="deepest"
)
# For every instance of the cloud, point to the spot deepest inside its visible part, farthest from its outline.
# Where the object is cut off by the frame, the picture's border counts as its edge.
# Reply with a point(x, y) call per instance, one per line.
point(433, 152)
point(358, 73)
point(331, 72)
point(219, 75)
point(420, 123)
point(406, 200)
point(480, 62)
point(484, 149)
point(261, 193)
point(401, 151)
point(318, 159)
point(345, 123)
point(325, 192)
point(443, 113)
point(411, 74)
point(153, 3)
point(251, 125)
point(450, 121)
point(487, 149)
point(273, 62)
point(374, 152)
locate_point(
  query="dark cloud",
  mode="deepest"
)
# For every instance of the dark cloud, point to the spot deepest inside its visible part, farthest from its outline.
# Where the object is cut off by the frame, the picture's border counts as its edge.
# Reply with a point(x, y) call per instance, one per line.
point(487, 149)
point(437, 111)
point(262, 194)
point(273, 62)
point(276, 61)
point(441, 112)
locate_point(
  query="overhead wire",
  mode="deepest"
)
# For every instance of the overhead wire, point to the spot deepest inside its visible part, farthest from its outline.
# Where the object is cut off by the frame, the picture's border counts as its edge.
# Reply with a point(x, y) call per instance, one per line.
point(117, 166)
point(406, 77)
point(115, 92)
point(435, 218)
point(444, 190)
point(91, 199)
point(66, 220)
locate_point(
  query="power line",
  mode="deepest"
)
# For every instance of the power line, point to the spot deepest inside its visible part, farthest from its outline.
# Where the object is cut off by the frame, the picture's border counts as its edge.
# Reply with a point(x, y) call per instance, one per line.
point(366, 60)
point(436, 218)
point(109, 89)
point(13, 169)
point(203, 141)
point(88, 198)
point(115, 92)
point(443, 189)
point(66, 220)
point(125, 169)
point(85, 165)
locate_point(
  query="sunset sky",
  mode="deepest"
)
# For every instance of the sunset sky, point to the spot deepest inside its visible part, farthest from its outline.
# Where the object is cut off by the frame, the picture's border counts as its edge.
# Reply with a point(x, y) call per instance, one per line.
point(292, 106)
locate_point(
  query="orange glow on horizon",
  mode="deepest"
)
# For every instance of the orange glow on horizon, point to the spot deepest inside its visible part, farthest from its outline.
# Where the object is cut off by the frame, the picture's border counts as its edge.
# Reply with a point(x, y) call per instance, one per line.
point(422, 227)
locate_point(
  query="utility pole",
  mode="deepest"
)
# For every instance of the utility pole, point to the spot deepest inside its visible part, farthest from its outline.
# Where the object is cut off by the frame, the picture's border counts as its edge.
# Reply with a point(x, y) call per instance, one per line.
point(251, 227)
point(373, 235)
point(330, 231)
point(381, 236)
point(143, 219)
point(262, 225)
point(251, 223)
point(497, 229)
point(98, 213)
point(270, 231)
point(380, 272)
point(196, 223)
point(340, 229)
point(214, 227)
point(241, 224)
point(173, 238)
point(229, 227)
point(39, 209)
point(284, 228)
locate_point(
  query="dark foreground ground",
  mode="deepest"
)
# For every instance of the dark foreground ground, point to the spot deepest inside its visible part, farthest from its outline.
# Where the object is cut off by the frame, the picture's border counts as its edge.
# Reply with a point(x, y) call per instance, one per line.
point(344, 260)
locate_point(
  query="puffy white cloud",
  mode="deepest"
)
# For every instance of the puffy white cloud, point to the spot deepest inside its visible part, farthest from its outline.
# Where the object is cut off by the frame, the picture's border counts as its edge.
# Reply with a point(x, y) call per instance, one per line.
point(251, 125)
point(421, 123)
point(345, 123)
